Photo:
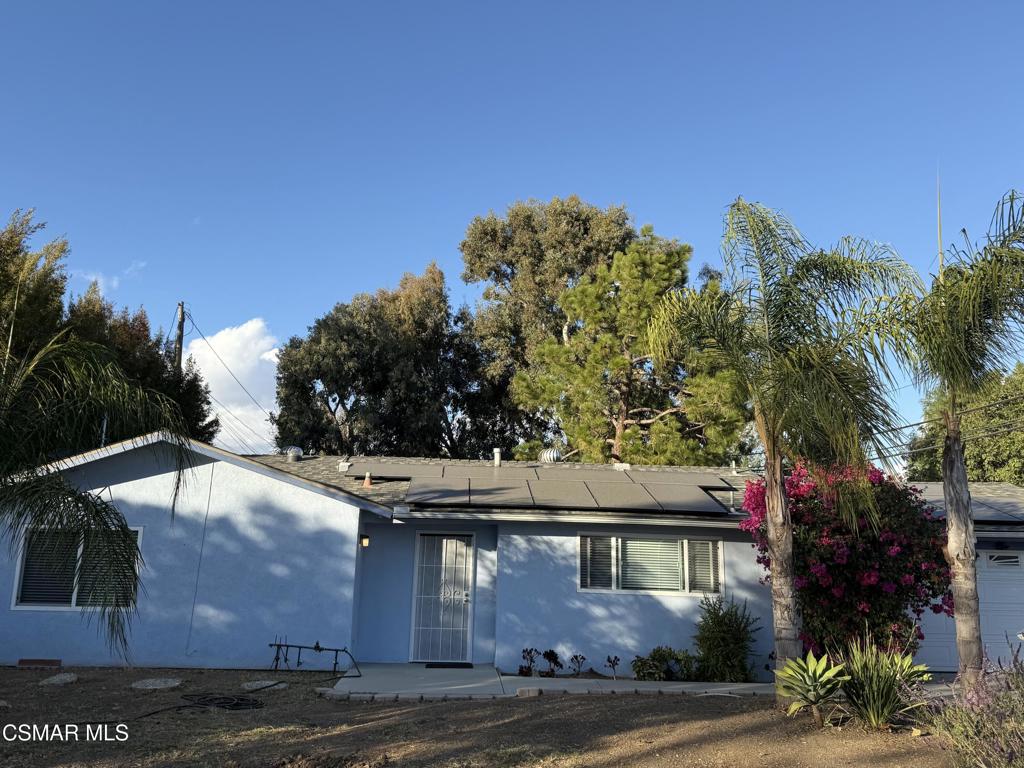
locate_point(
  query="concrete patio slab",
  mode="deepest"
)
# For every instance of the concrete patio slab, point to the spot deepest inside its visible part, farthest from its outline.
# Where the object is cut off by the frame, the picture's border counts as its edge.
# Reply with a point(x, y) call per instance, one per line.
point(416, 680)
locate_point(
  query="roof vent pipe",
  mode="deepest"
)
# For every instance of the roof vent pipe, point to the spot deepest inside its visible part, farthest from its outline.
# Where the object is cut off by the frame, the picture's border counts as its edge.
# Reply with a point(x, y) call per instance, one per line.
point(497, 457)
point(367, 481)
point(292, 453)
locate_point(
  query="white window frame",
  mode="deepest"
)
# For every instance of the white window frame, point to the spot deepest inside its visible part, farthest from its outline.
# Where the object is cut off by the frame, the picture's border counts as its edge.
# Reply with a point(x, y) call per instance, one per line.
point(684, 564)
point(20, 574)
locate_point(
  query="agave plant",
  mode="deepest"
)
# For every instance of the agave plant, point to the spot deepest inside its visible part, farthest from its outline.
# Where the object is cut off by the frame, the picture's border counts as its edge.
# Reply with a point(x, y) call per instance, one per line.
point(810, 683)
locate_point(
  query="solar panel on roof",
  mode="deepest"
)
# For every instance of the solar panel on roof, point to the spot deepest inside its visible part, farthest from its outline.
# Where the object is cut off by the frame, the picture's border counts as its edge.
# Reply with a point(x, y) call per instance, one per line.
point(507, 493)
point(429, 490)
point(609, 475)
point(683, 498)
point(393, 470)
point(562, 494)
point(490, 473)
point(623, 496)
point(988, 512)
point(706, 479)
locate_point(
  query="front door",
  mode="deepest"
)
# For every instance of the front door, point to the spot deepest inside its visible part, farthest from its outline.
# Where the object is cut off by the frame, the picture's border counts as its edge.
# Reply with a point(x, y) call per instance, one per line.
point(442, 597)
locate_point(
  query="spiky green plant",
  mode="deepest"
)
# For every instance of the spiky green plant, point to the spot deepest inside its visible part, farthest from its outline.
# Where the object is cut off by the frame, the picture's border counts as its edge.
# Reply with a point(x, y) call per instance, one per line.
point(881, 684)
point(966, 326)
point(810, 683)
point(53, 404)
point(806, 332)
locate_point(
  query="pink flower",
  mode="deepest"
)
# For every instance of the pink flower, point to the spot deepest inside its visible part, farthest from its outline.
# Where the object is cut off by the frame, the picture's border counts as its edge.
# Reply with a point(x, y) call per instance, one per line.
point(869, 578)
point(863, 607)
point(800, 582)
point(907, 579)
point(888, 587)
point(894, 550)
point(839, 590)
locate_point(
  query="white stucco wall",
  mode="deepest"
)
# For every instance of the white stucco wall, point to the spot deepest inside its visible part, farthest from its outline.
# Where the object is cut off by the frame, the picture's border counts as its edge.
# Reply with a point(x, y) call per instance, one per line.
point(540, 604)
point(243, 559)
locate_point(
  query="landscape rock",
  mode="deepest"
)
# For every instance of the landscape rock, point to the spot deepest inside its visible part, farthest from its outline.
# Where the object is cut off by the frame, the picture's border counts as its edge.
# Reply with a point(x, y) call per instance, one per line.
point(64, 678)
point(156, 683)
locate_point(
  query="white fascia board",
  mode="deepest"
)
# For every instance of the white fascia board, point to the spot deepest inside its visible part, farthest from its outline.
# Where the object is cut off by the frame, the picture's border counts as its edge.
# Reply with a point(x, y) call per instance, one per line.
point(535, 516)
point(219, 454)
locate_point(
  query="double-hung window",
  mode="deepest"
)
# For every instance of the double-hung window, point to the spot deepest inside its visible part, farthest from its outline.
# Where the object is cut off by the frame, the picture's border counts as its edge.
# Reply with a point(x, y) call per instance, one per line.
point(62, 570)
point(649, 564)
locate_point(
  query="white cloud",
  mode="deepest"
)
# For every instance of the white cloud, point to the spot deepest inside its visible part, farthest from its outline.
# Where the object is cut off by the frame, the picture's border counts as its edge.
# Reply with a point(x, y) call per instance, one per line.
point(108, 283)
point(250, 351)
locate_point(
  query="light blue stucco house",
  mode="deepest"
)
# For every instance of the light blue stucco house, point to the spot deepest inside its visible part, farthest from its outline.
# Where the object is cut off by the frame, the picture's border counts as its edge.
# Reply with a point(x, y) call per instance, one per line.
point(413, 560)
point(433, 560)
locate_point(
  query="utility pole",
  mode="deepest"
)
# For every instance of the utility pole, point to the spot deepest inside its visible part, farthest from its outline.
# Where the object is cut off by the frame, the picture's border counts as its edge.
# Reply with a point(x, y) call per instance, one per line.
point(179, 337)
point(938, 206)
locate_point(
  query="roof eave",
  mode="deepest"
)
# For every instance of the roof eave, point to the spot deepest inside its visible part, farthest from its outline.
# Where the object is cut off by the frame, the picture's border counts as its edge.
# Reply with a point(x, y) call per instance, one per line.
point(622, 517)
point(219, 454)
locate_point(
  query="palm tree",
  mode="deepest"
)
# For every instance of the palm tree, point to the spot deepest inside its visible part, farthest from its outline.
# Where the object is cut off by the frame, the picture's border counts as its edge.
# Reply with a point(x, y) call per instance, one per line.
point(55, 403)
point(806, 332)
point(964, 328)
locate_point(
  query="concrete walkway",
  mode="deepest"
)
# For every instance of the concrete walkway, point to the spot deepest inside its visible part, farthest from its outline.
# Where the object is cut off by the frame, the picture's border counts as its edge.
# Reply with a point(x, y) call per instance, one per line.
point(416, 682)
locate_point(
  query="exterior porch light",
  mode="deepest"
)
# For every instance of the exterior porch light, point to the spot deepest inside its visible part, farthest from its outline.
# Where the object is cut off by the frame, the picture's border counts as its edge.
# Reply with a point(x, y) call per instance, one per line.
point(364, 540)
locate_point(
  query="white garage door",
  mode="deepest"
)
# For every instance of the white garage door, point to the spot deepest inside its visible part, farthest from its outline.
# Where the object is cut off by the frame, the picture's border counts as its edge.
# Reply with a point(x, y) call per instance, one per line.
point(1001, 592)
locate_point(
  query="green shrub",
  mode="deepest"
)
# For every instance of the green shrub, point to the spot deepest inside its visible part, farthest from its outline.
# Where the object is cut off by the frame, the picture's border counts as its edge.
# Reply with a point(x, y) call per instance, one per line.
point(645, 668)
point(985, 727)
point(675, 665)
point(810, 683)
point(883, 683)
point(724, 641)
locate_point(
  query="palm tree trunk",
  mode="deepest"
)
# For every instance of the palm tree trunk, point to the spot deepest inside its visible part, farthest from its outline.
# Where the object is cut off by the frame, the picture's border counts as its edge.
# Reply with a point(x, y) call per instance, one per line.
point(960, 553)
point(785, 619)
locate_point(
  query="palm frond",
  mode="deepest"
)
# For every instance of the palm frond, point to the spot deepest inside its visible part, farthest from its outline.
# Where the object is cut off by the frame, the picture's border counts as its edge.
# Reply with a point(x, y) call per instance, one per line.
point(969, 323)
point(57, 404)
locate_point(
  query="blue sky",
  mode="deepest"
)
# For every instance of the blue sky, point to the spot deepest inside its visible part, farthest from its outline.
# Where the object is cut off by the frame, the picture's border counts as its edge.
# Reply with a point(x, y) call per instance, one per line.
point(265, 161)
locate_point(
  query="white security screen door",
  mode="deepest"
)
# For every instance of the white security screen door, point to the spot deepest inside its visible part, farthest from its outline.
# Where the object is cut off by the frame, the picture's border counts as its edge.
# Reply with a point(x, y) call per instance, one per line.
point(441, 598)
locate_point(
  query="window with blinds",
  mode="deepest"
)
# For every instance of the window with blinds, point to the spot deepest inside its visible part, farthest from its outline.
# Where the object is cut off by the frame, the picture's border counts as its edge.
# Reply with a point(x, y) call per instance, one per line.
point(596, 562)
point(49, 562)
point(649, 564)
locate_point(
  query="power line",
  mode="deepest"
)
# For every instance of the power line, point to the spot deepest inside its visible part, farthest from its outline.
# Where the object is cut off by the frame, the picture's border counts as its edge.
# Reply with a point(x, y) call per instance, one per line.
point(1007, 427)
point(228, 369)
point(974, 409)
point(241, 421)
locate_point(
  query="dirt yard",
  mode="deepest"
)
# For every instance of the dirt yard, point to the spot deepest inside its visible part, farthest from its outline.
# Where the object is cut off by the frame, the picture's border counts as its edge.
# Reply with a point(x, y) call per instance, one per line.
point(297, 729)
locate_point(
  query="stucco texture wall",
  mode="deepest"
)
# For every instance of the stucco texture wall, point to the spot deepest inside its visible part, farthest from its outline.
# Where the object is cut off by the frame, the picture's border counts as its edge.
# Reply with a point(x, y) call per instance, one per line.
point(541, 606)
point(274, 560)
point(384, 622)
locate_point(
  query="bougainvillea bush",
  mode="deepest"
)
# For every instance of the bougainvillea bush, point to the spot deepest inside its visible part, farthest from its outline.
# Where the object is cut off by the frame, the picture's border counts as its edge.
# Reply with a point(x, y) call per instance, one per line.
point(879, 579)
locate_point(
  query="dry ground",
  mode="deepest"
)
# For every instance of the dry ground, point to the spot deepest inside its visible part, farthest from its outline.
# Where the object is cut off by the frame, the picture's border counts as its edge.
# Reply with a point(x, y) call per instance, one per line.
point(297, 729)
